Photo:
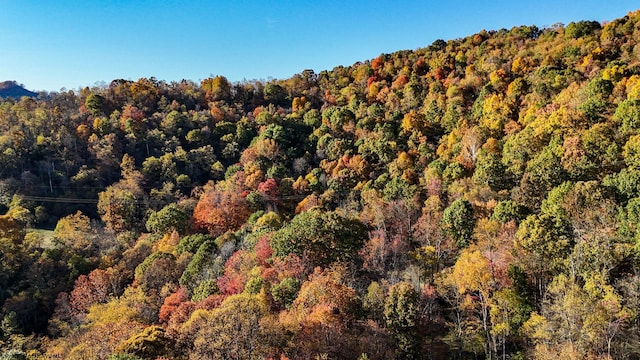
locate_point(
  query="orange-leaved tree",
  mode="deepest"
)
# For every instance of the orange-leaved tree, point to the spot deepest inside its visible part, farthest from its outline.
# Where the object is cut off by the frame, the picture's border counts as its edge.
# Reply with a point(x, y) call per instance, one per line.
point(220, 211)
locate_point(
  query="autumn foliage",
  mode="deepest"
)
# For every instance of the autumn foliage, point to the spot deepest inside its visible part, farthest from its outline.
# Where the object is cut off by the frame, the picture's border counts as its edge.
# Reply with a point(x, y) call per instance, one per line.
point(477, 198)
point(220, 211)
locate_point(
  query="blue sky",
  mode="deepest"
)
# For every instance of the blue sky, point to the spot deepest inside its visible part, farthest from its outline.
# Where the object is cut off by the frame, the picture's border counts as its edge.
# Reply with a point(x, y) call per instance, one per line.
point(49, 45)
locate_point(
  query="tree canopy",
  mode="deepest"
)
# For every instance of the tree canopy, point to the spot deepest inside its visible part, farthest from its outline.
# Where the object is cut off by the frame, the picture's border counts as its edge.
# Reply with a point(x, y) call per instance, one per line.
point(477, 198)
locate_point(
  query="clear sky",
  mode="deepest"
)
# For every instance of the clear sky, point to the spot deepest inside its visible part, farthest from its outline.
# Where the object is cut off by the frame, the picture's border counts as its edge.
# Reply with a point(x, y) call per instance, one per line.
point(54, 44)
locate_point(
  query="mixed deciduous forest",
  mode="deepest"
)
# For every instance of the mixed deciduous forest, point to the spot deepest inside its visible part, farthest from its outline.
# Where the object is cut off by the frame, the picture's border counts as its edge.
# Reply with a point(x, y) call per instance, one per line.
point(478, 198)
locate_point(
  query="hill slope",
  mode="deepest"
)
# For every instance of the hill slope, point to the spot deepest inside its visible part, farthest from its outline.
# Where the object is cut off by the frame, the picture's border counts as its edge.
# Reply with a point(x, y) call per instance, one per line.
point(477, 198)
point(11, 89)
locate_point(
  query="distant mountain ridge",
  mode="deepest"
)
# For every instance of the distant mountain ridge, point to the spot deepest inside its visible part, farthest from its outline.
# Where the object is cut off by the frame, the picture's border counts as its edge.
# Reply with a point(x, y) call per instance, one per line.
point(11, 89)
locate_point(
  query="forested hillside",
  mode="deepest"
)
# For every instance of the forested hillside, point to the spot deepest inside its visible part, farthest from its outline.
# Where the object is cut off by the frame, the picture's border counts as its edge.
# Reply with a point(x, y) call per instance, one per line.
point(475, 199)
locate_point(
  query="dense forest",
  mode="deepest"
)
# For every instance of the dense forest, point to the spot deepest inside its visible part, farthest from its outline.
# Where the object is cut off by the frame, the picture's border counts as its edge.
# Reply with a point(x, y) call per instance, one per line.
point(478, 198)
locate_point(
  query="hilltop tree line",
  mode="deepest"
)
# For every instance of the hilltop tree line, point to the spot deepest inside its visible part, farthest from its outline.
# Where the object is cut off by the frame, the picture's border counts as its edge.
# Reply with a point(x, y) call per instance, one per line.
point(475, 199)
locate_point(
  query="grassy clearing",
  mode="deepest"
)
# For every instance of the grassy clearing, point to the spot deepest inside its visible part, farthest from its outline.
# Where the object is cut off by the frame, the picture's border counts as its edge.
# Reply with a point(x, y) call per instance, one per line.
point(44, 236)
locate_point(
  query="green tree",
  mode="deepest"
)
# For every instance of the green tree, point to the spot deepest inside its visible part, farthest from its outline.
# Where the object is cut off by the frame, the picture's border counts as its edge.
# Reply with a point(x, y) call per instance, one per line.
point(191, 243)
point(285, 292)
point(321, 237)
point(402, 316)
point(547, 241)
point(202, 265)
point(458, 221)
point(95, 104)
point(628, 116)
point(506, 211)
point(170, 217)
point(490, 170)
point(597, 101)
point(631, 151)
point(581, 28)
point(542, 174)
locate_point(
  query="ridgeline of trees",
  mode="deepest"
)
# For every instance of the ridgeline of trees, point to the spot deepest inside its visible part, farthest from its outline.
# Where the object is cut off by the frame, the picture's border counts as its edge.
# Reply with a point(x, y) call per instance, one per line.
point(475, 199)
